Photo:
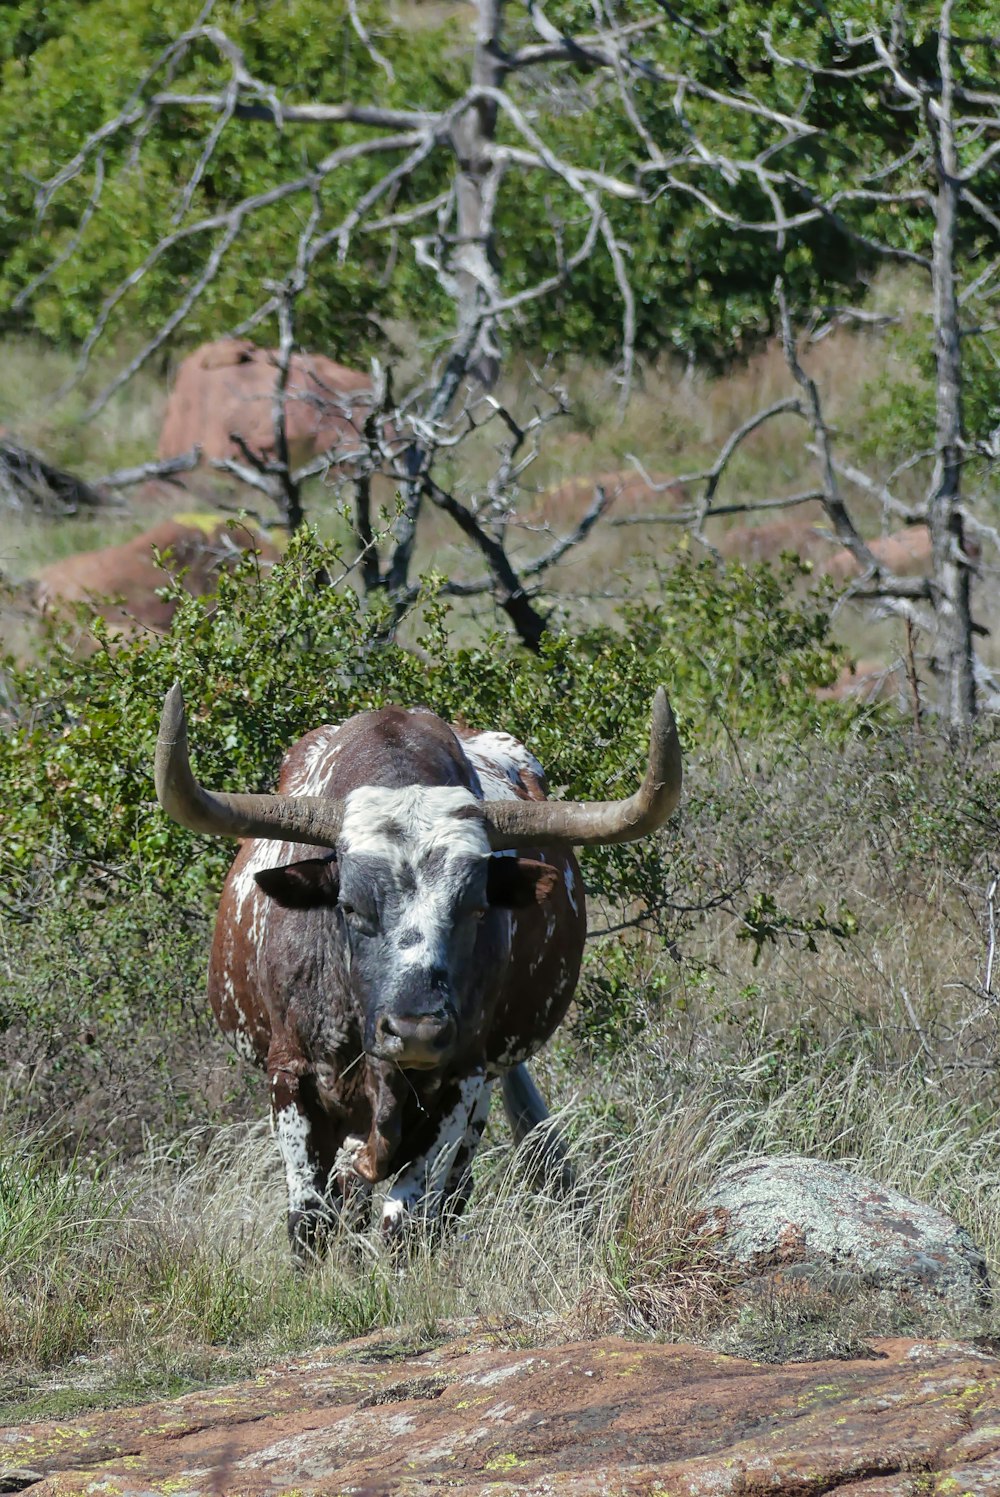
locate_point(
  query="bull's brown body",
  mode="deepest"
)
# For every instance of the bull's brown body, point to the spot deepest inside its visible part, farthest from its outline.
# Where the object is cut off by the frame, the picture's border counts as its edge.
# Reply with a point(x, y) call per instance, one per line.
point(432, 949)
point(280, 988)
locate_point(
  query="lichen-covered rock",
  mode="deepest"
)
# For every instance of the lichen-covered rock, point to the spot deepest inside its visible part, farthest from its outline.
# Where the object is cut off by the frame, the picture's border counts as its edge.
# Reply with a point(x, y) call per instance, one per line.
point(804, 1219)
point(606, 1418)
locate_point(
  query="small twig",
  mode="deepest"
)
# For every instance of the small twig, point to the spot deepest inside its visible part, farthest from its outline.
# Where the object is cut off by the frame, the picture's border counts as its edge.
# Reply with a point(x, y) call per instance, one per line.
point(598, 506)
point(918, 1028)
point(991, 938)
point(749, 507)
point(167, 468)
point(911, 674)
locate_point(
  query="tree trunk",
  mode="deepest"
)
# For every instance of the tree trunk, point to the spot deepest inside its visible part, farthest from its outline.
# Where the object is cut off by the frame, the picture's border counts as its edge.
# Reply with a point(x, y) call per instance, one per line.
point(952, 574)
point(476, 187)
point(475, 349)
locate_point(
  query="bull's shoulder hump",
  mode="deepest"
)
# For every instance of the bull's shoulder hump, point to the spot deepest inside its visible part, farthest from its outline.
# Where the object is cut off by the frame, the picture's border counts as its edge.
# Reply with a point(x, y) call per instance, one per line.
point(308, 764)
point(506, 769)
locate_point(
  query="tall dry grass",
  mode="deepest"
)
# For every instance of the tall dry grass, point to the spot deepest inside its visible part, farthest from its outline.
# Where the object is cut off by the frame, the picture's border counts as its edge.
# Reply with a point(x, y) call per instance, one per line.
point(876, 1050)
point(176, 1267)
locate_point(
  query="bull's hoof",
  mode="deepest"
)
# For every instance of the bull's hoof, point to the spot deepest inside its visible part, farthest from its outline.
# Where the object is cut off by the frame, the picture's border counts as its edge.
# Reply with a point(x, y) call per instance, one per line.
point(309, 1233)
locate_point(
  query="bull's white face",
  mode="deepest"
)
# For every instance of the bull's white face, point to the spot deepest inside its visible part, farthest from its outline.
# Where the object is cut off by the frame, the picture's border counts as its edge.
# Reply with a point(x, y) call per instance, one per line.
point(411, 880)
point(413, 888)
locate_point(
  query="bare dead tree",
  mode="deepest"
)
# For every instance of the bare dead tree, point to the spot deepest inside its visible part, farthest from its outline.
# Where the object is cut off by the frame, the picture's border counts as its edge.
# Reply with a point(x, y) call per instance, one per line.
point(950, 117)
point(492, 133)
point(953, 119)
point(496, 132)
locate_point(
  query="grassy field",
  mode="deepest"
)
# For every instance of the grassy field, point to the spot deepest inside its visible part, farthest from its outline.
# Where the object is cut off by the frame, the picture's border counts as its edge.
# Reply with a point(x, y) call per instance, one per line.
point(147, 1254)
point(126, 1282)
point(158, 1264)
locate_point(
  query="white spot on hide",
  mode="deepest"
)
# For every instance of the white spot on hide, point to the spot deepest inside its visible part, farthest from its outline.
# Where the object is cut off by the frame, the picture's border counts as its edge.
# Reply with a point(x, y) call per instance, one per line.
point(263, 854)
point(243, 1045)
point(292, 1133)
point(401, 828)
point(310, 777)
point(421, 819)
point(347, 1155)
point(425, 1181)
point(499, 759)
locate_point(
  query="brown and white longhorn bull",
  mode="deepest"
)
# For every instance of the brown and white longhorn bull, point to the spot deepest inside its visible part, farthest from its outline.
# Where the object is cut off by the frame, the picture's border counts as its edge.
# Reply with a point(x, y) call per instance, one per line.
point(433, 948)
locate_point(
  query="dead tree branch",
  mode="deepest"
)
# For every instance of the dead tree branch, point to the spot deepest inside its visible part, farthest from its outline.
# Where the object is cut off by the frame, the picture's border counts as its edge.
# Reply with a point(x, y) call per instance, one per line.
point(29, 482)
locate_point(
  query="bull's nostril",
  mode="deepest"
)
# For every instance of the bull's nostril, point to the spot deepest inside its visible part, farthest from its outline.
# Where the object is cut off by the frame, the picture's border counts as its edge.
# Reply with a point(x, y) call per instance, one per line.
point(417, 1040)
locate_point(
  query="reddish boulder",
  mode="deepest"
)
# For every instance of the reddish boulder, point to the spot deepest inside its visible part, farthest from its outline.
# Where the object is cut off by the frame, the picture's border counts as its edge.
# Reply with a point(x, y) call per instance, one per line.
point(767, 541)
point(630, 493)
point(228, 387)
point(592, 1418)
point(905, 552)
point(130, 575)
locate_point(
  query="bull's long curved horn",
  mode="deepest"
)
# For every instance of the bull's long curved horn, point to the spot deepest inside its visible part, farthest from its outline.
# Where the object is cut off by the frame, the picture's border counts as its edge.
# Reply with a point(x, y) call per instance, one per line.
point(548, 823)
point(282, 818)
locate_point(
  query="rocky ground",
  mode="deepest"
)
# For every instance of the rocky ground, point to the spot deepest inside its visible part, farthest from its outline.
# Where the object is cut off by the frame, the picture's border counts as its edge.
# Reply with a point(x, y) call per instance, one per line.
point(909, 1419)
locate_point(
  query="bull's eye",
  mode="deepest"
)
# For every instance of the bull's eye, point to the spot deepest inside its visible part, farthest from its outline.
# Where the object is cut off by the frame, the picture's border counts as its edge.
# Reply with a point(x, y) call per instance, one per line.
point(360, 920)
point(477, 913)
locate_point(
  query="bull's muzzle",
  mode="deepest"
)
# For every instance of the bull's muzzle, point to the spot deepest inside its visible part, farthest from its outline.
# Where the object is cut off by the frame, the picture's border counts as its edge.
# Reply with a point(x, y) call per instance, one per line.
point(417, 1042)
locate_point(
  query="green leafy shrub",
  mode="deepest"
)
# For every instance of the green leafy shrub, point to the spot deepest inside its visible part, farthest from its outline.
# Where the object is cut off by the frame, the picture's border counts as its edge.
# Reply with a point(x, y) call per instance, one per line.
point(116, 900)
point(274, 657)
point(106, 905)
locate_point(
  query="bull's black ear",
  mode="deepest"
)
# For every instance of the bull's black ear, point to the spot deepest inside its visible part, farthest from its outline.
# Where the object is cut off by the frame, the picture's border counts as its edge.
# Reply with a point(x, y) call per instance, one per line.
point(513, 883)
point(308, 885)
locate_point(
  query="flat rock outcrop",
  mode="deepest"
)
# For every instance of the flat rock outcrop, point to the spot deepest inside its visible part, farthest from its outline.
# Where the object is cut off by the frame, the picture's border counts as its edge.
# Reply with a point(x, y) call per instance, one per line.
point(596, 1418)
point(805, 1219)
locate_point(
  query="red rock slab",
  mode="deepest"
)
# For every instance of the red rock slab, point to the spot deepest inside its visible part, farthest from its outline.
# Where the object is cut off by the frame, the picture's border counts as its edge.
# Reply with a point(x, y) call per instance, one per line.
point(198, 547)
point(766, 541)
point(608, 1418)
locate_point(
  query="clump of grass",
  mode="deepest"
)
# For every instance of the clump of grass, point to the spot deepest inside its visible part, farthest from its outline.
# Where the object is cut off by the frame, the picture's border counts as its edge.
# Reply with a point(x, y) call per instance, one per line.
point(806, 1326)
point(41, 407)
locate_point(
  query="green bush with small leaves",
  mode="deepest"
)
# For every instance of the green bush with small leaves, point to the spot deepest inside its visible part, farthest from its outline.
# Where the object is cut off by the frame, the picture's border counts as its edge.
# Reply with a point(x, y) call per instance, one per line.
point(274, 657)
point(107, 904)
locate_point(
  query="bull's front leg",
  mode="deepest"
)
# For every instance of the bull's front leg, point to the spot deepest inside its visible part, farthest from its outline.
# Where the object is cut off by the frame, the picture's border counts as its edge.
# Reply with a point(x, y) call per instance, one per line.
point(438, 1181)
point(310, 1209)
